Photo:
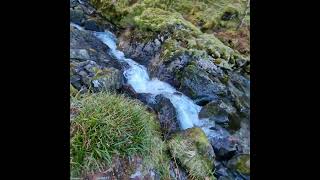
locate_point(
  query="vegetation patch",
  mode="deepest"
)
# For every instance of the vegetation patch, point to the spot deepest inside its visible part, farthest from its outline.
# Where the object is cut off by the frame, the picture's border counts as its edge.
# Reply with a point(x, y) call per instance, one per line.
point(186, 21)
point(193, 151)
point(109, 125)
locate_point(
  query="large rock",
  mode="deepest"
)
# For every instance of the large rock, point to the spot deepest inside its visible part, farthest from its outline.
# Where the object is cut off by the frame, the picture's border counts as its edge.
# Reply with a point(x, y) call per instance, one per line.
point(217, 111)
point(161, 105)
point(93, 25)
point(239, 89)
point(79, 54)
point(76, 16)
point(224, 173)
point(192, 149)
point(167, 115)
point(83, 44)
point(142, 52)
point(223, 143)
point(107, 79)
point(198, 85)
point(90, 76)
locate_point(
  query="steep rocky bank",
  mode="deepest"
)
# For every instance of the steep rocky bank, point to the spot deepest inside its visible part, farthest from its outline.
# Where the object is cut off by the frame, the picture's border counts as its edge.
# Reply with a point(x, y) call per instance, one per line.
point(190, 49)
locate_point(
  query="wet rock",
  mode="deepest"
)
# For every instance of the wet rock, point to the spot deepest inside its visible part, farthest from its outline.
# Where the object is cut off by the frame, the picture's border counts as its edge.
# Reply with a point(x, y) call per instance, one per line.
point(224, 173)
point(128, 90)
point(148, 99)
point(240, 163)
point(75, 80)
point(166, 71)
point(192, 84)
point(217, 111)
point(192, 149)
point(223, 143)
point(95, 49)
point(79, 54)
point(76, 16)
point(73, 3)
point(92, 25)
point(142, 52)
point(243, 136)
point(167, 115)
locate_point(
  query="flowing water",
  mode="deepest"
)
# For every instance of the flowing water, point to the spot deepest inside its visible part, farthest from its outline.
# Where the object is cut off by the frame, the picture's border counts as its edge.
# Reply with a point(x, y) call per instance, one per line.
point(137, 76)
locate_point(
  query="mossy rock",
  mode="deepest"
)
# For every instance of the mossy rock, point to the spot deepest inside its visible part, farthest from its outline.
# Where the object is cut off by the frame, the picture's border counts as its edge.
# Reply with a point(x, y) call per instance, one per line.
point(107, 79)
point(240, 163)
point(217, 111)
point(194, 152)
point(180, 19)
point(157, 20)
point(202, 13)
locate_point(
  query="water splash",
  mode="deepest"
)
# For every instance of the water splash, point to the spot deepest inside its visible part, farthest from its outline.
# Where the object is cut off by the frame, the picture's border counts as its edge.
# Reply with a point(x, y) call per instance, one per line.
point(137, 76)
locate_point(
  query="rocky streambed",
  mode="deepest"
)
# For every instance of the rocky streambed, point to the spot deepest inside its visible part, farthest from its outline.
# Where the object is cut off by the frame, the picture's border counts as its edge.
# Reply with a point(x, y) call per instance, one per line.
point(198, 86)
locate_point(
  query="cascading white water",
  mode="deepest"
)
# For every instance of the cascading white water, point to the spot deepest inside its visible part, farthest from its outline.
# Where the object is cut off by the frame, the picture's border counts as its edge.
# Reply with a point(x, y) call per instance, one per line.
point(138, 78)
point(187, 110)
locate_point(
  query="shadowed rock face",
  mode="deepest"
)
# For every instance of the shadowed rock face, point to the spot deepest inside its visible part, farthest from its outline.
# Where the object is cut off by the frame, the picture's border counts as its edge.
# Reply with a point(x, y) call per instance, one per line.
point(167, 115)
point(90, 64)
point(85, 46)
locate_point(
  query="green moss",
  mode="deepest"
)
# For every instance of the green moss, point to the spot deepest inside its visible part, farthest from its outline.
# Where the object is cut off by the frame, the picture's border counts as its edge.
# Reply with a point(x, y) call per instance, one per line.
point(242, 166)
point(202, 13)
point(225, 79)
point(194, 152)
point(240, 163)
point(114, 11)
point(102, 73)
point(157, 20)
point(198, 45)
point(110, 125)
point(183, 19)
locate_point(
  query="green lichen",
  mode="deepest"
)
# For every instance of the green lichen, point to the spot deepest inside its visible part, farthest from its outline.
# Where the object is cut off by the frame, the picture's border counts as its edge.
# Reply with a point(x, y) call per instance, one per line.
point(192, 149)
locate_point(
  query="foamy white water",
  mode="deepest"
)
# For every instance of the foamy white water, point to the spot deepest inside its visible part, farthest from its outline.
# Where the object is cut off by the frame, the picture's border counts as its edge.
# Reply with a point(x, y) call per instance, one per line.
point(137, 76)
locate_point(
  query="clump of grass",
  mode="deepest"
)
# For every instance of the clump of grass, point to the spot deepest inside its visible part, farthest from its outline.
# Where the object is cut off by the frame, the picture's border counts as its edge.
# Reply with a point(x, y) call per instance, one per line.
point(192, 149)
point(108, 125)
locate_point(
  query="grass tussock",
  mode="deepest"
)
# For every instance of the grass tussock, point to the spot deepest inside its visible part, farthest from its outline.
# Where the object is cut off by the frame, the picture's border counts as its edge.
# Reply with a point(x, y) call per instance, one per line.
point(106, 125)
